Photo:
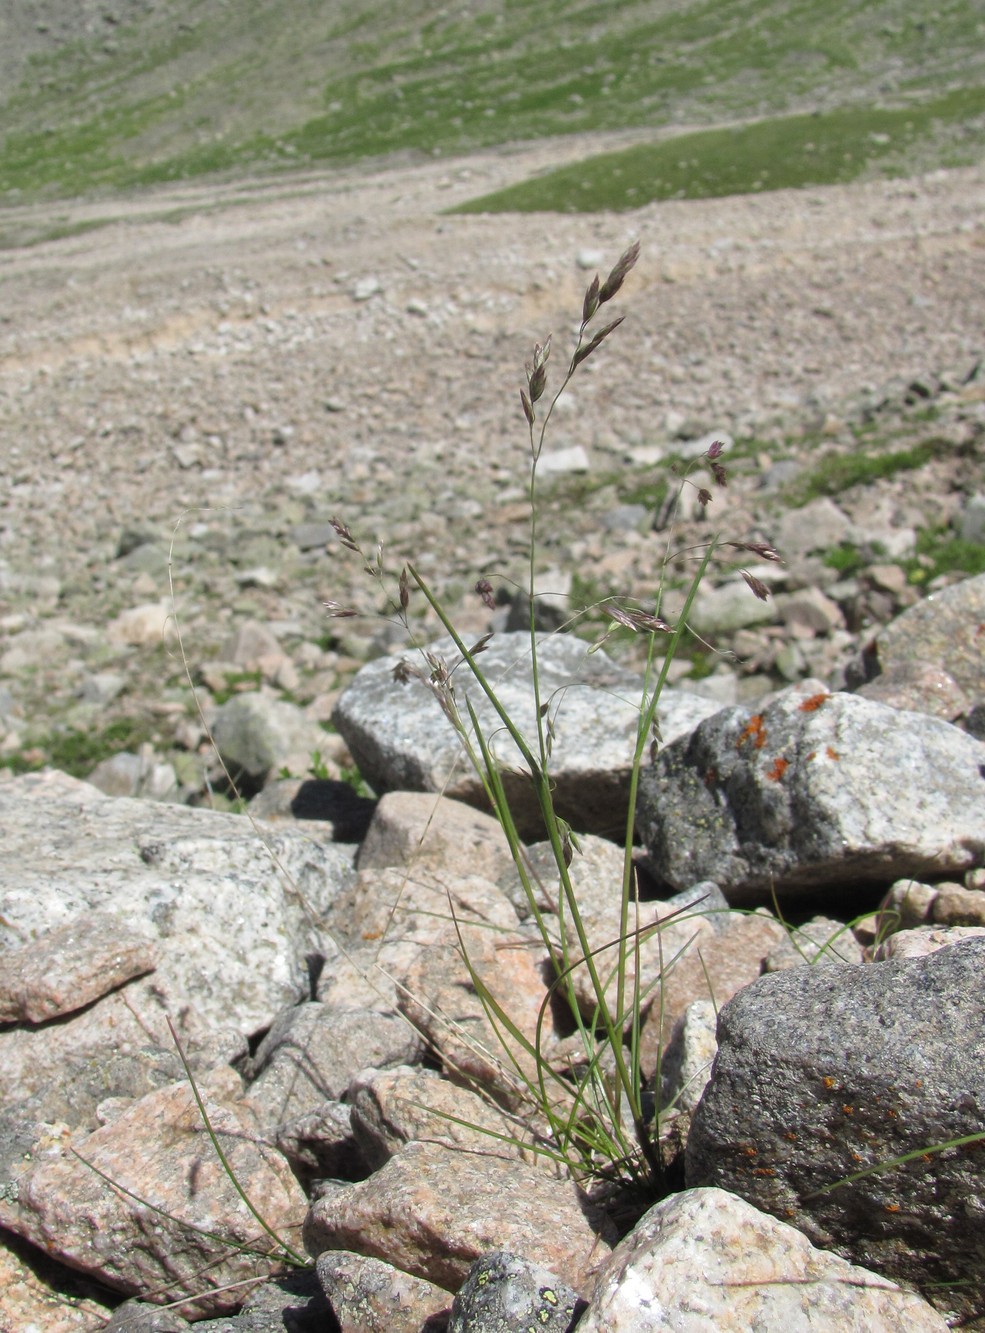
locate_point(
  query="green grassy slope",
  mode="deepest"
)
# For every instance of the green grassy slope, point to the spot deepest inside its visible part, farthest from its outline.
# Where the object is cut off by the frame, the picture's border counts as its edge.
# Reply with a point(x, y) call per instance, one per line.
point(196, 86)
point(779, 152)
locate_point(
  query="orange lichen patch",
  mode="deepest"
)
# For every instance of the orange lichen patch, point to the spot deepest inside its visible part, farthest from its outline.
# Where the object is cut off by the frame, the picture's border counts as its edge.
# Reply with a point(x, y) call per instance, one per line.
point(848, 1110)
point(828, 1081)
point(748, 1150)
point(780, 766)
point(815, 702)
point(753, 731)
point(892, 1207)
point(831, 752)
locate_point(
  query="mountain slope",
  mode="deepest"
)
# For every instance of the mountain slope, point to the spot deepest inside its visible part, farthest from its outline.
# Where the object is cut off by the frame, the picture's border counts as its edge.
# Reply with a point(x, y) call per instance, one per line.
point(134, 91)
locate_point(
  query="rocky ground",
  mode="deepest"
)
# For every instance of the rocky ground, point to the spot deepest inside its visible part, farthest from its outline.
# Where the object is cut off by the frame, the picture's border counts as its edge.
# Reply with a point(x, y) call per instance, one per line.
point(197, 386)
point(192, 390)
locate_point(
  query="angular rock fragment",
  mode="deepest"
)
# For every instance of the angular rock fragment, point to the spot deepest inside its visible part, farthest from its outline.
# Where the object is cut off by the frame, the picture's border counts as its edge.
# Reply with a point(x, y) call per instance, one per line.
point(256, 734)
point(180, 1228)
point(433, 1211)
point(815, 790)
point(822, 1073)
point(397, 1106)
point(944, 630)
point(70, 966)
point(507, 1291)
point(417, 830)
point(370, 1296)
point(401, 738)
point(705, 1259)
point(312, 1051)
point(213, 896)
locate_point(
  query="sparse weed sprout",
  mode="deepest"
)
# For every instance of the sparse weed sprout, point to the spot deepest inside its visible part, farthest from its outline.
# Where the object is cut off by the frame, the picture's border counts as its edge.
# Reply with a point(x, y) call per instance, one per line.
point(594, 1113)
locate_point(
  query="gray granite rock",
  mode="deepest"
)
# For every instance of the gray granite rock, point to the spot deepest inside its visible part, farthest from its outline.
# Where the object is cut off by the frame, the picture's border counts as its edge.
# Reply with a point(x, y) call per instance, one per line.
point(312, 1051)
point(368, 1295)
point(202, 903)
point(943, 630)
point(136, 1316)
point(143, 774)
point(824, 1072)
point(256, 734)
point(294, 1303)
point(211, 894)
point(401, 738)
point(686, 1067)
point(793, 799)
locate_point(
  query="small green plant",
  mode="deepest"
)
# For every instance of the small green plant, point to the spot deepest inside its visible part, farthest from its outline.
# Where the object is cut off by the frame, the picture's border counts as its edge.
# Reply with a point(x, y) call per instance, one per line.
point(351, 776)
point(596, 1112)
point(318, 768)
point(846, 558)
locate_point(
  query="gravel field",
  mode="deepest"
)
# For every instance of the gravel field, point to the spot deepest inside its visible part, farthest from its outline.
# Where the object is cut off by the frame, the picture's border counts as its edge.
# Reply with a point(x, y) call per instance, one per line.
point(226, 363)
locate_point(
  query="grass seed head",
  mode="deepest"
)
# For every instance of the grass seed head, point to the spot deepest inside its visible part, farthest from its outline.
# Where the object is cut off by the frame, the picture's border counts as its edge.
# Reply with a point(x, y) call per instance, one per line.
point(618, 275)
point(757, 585)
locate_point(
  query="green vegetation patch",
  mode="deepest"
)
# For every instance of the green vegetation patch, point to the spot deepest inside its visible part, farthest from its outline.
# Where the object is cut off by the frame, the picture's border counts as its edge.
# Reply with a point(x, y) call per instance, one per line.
point(782, 153)
point(940, 552)
point(78, 752)
point(838, 472)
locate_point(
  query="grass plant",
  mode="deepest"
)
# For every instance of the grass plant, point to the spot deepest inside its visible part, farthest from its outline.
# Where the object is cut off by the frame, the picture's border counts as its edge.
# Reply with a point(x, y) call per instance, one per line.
point(595, 1113)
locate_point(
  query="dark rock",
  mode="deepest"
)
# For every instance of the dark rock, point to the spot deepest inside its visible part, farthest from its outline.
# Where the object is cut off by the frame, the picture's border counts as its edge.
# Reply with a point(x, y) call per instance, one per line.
point(505, 1293)
point(822, 1073)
